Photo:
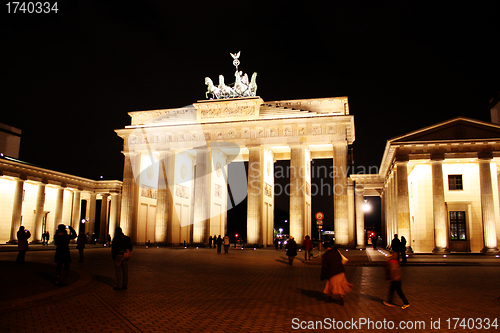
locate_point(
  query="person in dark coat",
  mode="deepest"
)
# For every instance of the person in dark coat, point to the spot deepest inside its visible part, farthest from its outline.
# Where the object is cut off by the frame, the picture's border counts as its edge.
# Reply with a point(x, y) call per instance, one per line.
point(210, 241)
point(308, 246)
point(80, 245)
point(396, 245)
point(219, 244)
point(214, 240)
point(333, 270)
point(402, 249)
point(120, 244)
point(22, 244)
point(63, 256)
point(291, 250)
point(395, 276)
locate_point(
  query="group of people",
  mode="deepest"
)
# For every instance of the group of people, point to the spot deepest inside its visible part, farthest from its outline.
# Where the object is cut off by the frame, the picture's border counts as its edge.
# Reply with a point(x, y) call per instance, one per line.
point(218, 242)
point(399, 247)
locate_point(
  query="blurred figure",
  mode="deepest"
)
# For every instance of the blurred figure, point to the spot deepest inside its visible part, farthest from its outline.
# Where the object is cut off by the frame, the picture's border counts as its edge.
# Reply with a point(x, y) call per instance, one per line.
point(396, 245)
point(333, 270)
point(210, 241)
point(308, 246)
point(80, 244)
point(226, 244)
point(396, 277)
point(119, 246)
point(63, 256)
point(403, 249)
point(291, 250)
point(219, 244)
point(22, 244)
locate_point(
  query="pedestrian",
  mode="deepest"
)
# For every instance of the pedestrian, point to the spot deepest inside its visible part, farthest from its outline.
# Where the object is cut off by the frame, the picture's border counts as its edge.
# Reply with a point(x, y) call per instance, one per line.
point(308, 246)
point(396, 245)
point(226, 244)
point(47, 238)
point(214, 240)
point(395, 276)
point(374, 239)
point(276, 242)
point(63, 256)
point(210, 241)
point(333, 271)
point(80, 245)
point(291, 250)
point(119, 246)
point(403, 249)
point(22, 243)
point(219, 244)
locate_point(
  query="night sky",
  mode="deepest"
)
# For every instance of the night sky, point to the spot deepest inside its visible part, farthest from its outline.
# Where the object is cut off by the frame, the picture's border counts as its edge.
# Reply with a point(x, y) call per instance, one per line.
point(69, 79)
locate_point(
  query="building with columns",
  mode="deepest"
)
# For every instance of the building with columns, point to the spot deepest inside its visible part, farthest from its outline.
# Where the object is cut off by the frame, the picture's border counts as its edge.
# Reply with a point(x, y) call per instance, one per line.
point(176, 185)
point(41, 199)
point(440, 187)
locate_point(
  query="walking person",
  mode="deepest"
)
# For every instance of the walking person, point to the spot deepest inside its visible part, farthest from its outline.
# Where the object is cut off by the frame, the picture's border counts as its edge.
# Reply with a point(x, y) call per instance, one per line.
point(214, 239)
point(219, 244)
point(80, 245)
point(63, 256)
point(210, 241)
point(308, 246)
point(402, 249)
point(22, 244)
point(395, 276)
point(332, 270)
point(291, 250)
point(226, 244)
point(119, 246)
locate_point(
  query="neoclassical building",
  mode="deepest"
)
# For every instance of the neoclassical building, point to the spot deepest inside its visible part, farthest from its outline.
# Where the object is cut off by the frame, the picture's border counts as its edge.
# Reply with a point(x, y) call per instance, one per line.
point(41, 199)
point(176, 184)
point(440, 187)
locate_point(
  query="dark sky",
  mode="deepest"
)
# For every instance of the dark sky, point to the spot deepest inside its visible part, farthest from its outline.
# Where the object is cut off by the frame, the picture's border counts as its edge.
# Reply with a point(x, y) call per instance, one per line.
point(69, 79)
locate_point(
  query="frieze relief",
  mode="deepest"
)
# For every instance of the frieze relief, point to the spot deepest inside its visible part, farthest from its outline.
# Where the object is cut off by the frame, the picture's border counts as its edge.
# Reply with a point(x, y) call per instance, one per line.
point(148, 192)
point(218, 191)
point(227, 112)
point(182, 191)
point(268, 190)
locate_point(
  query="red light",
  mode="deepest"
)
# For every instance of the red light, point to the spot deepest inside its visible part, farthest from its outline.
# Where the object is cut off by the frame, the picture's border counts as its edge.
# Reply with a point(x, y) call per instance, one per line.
point(236, 235)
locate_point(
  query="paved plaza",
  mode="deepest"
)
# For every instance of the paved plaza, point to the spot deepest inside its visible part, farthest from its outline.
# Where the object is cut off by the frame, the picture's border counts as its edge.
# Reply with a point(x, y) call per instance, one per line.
point(198, 290)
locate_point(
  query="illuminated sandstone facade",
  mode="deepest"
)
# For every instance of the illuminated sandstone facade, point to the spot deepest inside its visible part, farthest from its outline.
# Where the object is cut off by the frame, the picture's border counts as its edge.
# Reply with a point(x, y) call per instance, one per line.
point(41, 199)
point(176, 180)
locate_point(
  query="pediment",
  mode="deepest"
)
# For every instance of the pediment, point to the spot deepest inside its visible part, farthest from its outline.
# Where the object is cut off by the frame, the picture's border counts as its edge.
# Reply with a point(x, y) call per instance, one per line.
point(455, 129)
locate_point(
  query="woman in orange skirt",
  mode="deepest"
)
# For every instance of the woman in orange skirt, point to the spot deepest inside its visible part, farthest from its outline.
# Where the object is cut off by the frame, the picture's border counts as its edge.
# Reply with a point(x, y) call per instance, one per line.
point(332, 271)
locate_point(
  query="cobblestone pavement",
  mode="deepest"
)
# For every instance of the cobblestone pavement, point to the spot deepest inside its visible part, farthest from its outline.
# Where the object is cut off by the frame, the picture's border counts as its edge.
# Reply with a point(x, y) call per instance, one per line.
point(198, 290)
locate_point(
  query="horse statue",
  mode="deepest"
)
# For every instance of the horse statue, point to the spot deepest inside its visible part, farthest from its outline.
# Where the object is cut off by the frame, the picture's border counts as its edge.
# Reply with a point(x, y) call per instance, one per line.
point(253, 84)
point(225, 91)
point(239, 86)
point(211, 89)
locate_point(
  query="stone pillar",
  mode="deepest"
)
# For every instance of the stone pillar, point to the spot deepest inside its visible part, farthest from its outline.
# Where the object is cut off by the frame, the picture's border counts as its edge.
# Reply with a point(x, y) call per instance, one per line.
point(298, 174)
point(403, 201)
point(58, 214)
point(487, 204)
point(39, 213)
point(202, 196)
point(164, 221)
point(75, 217)
point(360, 216)
point(103, 227)
point(255, 192)
point(439, 208)
point(90, 228)
point(351, 209)
point(128, 215)
point(340, 208)
point(17, 210)
point(113, 213)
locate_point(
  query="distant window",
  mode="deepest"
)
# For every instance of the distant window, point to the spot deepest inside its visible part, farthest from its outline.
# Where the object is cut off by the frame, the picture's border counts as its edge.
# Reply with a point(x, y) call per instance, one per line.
point(457, 226)
point(455, 182)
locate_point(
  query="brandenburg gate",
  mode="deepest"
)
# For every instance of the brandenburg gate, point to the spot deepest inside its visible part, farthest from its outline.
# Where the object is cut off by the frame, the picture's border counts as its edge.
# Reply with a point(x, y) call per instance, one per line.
point(176, 186)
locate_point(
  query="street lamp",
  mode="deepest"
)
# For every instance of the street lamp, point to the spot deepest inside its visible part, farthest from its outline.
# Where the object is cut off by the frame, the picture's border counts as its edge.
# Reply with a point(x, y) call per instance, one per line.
point(367, 207)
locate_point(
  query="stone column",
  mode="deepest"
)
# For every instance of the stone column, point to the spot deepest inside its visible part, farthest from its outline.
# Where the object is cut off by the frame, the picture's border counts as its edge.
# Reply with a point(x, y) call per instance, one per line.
point(297, 192)
point(202, 196)
point(255, 192)
point(103, 226)
point(487, 204)
point(90, 228)
point(128, 215)
point(75, 217)
point(403, 201)
point(113, 213)
point(340, 208)
point(39, 213)
point(439, 207)
point(17, 210)
point(164, 221)
point(58, 214)
point(360, 216)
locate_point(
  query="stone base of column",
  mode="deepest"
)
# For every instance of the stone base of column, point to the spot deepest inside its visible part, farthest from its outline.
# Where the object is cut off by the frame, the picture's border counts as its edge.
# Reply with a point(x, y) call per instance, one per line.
point(490, 251)
point(360, 247)
point(12, 242)
point(441, 250)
